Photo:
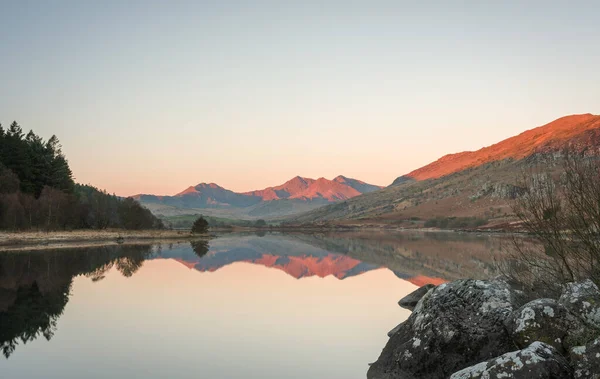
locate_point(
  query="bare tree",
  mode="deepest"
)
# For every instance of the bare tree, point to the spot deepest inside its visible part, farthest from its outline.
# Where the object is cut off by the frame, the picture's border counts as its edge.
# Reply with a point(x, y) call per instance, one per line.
point(560, 209)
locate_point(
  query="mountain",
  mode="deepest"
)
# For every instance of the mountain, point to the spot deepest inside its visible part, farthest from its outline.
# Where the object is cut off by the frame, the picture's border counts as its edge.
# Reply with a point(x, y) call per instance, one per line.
point(577, 129)
point(358, 185)
point(472, 185)
point(297, 195)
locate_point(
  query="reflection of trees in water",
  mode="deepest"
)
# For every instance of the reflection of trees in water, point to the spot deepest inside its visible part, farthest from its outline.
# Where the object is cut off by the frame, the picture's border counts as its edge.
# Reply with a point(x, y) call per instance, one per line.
point(31, 315)
point(200, 247)
point(35, 286)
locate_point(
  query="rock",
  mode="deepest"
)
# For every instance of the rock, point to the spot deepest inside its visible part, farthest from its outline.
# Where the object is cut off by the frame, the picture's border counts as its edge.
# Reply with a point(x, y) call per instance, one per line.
point(547, 321)
point(537, 361)
point(453, 326)
point(395, 330)
point(583, 300)
point(585, 360)
point(410, 301)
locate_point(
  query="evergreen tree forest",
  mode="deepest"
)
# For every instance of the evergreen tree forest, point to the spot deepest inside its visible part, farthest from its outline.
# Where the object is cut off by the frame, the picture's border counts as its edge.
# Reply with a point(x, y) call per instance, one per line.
point(37, 190)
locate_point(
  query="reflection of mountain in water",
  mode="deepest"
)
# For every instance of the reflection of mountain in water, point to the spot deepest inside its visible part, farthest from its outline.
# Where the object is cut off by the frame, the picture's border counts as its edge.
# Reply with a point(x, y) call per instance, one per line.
point(295, 258)
point(418, 257)
point(35, 286)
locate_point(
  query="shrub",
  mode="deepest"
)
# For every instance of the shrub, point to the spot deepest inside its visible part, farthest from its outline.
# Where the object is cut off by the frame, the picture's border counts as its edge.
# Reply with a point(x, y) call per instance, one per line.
point(200, 225)
point(561, 211)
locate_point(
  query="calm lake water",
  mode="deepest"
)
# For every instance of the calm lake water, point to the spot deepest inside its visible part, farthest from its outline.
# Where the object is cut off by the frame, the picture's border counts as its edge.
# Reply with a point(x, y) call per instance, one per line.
point(239, 306)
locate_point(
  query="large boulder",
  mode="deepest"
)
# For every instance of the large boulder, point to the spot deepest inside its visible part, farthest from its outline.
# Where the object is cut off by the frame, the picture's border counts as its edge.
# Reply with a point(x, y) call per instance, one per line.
point(537, 361)
point(410, 301)
point(585, 360)
point(453, 326)
point(547, 321)
point(583, 300)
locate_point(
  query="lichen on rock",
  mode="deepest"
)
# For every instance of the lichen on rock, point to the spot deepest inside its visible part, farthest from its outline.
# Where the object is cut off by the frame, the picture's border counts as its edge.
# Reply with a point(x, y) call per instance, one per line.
point(452, 326)
point(537, 361)
point(586, 360)
point(583, 299)
point(547, 321)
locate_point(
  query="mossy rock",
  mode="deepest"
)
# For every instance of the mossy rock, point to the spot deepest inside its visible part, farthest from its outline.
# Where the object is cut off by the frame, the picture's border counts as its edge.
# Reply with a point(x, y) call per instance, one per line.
point(547, 321)
point(583, 300)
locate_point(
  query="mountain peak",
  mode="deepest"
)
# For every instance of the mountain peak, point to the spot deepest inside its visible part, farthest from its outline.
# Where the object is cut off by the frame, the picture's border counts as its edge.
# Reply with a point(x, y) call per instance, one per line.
point(581, 129)
point(304, 192)
point(208, 185)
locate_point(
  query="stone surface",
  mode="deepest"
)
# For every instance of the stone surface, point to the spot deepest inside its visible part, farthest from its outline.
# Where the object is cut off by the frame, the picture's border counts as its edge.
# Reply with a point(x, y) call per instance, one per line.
point(453, 326)
point(410, 301)
point(585, 360)
point(583, 299)
point(537, 361)
point(547, 321)
point(395, 330)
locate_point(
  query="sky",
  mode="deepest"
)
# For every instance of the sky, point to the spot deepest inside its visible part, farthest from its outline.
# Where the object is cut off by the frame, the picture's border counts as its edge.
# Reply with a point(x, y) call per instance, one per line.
point(155, 96)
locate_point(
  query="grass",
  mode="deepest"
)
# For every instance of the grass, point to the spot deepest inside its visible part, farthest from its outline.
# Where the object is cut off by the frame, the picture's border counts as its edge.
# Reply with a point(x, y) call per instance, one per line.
point(10, 240)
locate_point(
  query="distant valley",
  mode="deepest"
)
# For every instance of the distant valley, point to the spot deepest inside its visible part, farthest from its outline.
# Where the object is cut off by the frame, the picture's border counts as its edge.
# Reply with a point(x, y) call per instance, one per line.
point(295, 196)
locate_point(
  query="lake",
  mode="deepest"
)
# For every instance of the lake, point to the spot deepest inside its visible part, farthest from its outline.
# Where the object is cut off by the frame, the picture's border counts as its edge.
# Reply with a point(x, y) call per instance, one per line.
point(239, 306)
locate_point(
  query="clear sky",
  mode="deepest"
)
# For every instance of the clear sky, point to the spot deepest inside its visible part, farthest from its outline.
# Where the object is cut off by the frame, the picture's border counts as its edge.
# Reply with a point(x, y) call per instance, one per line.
point(154, 96)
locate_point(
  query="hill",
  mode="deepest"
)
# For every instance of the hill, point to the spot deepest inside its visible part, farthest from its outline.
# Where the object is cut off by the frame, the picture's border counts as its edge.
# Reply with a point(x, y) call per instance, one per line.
point(297, 195)
point(468, 188)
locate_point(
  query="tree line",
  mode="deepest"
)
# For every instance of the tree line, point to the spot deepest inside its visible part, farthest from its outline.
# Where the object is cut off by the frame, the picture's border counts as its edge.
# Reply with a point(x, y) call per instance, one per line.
point(37, 190)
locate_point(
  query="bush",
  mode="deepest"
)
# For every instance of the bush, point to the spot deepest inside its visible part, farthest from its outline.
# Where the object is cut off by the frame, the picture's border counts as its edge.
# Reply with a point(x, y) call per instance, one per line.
point(200, 225)
point(561, 211)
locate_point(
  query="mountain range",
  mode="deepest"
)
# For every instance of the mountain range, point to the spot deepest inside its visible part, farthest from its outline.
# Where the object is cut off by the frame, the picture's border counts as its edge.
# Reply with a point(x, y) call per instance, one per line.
point(297, 195)
point(477, 185)
point(474, 184)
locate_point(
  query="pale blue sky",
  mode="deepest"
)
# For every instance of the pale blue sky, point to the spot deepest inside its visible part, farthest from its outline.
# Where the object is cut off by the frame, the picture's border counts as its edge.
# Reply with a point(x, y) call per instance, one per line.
point(152, 97)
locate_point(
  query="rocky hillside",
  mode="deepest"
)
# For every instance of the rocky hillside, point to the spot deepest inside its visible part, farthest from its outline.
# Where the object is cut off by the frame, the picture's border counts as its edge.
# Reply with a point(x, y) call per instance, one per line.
point(294, 196)
point(471, 187)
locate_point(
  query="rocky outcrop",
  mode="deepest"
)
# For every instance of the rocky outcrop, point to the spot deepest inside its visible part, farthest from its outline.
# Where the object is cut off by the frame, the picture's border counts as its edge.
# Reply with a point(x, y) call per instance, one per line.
point(583, 299)
point(410, 301)
point(586, 360)
point(474, 329)
point(453, 326)
point(537, 361)
point(547, 321)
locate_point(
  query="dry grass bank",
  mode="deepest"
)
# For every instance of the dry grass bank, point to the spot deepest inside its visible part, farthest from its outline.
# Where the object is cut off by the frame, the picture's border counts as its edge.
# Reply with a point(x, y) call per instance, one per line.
point(77, 238)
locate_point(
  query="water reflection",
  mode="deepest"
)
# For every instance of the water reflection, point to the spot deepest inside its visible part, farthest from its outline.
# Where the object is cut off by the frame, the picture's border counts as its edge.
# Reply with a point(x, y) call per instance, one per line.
point(318, 305)
point(419, 257)
point(35, 286)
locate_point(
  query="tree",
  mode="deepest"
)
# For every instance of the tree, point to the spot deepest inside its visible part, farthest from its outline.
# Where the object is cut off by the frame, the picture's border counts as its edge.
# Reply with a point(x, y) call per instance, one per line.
point(260, 223)
point(561, 211)
point(200, 247)
point(200, 225)
point(9, 182)
point(37, 190)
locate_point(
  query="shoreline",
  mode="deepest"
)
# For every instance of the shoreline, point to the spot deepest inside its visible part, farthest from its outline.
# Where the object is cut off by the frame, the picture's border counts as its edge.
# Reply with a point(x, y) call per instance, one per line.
point(39, 240)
